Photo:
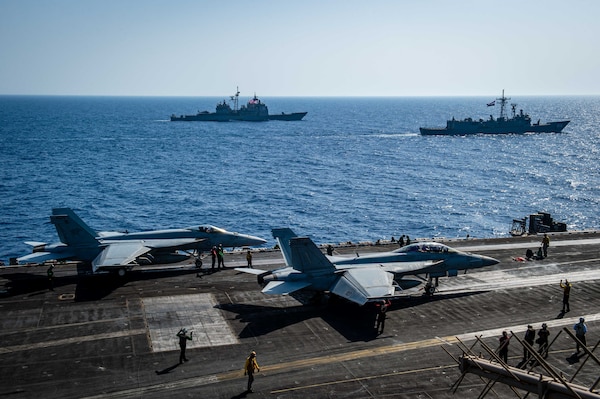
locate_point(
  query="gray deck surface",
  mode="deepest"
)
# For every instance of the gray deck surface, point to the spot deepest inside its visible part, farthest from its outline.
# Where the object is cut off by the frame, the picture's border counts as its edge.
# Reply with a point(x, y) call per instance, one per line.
point(99, 336)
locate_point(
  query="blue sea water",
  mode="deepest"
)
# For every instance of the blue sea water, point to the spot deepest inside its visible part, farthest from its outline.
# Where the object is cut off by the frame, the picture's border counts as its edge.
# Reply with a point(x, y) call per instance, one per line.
point(355, 169)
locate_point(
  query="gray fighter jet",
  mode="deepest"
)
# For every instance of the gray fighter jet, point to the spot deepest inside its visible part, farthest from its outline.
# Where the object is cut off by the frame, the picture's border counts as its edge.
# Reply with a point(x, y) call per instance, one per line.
point(361, 279)
point(114, 251)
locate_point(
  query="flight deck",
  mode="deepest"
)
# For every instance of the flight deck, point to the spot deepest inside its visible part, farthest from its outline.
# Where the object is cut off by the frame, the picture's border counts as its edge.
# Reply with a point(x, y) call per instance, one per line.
point(105, 337)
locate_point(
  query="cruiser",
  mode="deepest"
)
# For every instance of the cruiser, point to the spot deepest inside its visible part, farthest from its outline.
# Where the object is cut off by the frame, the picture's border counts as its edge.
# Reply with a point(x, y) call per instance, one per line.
point(518, 124)
point(254, 111)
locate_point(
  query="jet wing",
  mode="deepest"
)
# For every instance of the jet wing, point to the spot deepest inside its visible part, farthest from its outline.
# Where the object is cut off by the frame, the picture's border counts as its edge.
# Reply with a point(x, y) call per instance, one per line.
point(41, 257)
point(360, 285)
point(284, 287)
point(118, 254)
point(250, 270)
point(35, 243)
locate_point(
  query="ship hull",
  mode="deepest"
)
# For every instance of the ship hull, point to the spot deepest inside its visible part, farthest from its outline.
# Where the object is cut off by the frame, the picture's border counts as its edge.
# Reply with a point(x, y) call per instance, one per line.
point(468, 128)
point(200, 117)
point(294, 116)
point(214, 117)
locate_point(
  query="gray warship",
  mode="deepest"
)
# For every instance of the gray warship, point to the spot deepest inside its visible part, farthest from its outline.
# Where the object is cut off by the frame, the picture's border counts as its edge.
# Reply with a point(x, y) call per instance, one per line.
point(519, 123)
point(254, 111)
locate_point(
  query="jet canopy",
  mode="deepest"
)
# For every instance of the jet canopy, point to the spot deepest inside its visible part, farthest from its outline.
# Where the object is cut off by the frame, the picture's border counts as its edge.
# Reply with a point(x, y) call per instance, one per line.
point(207, 228)
point(427, 247)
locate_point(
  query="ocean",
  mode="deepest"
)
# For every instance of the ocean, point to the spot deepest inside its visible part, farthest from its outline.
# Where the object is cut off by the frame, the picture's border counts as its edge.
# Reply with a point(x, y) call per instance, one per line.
point(355, 169)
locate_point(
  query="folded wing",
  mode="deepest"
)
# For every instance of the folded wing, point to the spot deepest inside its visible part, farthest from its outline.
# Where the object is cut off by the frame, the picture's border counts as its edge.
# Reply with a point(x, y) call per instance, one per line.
point(118, 254)
point(360, 285)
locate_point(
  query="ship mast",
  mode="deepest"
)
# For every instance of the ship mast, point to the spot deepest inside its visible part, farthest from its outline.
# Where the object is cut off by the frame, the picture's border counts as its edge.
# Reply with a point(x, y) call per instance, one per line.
point(503, 100)
point(235, 98)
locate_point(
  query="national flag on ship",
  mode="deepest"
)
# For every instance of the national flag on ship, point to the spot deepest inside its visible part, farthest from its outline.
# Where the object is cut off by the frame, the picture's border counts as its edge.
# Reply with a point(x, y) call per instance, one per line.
point(492, 103)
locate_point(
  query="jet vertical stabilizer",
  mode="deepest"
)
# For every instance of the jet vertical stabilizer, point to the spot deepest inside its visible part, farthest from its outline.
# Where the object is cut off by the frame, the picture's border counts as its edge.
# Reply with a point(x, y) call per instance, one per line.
point(71, 229)
point(283, 237)
point(307, 257)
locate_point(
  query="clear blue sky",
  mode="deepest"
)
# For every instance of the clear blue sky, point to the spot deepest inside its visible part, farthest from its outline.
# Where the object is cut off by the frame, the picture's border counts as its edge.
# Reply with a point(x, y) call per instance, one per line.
point(299, 48)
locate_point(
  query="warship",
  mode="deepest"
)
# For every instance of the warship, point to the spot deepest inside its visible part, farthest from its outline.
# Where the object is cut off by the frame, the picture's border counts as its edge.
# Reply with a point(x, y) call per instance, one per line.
point(519, 123)
point(254, 111)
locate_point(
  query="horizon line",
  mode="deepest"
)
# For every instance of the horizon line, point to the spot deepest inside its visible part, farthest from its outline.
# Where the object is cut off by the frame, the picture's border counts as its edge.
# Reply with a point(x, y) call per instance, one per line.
point(291, 96)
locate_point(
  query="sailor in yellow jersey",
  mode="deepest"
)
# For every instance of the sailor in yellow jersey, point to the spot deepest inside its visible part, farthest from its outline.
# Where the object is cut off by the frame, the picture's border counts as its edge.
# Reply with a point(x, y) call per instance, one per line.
point(249, 368)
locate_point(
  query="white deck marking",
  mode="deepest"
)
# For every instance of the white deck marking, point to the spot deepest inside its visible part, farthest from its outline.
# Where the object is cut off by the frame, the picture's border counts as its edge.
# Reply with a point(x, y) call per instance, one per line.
point(197, 312)
point(70, 341)
point(528, 244)
point(525, 276)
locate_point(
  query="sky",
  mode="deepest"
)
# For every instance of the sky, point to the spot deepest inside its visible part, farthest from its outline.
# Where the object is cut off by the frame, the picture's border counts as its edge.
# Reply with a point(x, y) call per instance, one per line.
point(299, 48)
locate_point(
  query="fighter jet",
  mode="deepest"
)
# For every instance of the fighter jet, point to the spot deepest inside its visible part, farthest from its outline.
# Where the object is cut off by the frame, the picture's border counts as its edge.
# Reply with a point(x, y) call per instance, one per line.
point(115, 251)
point(448, 261)
point(361, 279)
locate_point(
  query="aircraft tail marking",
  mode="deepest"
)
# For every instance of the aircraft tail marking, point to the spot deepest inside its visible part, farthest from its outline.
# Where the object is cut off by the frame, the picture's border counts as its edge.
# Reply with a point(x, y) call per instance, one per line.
point(71, 229)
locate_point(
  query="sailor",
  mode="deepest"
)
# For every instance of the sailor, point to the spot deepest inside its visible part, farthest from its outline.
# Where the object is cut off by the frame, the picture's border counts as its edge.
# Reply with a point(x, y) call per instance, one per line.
point(566, 294)
point(249, 258)
point(580, 331)
point(545, 244)
point(329, 250)
point(529, 338)
point(401, 241)
point(540, 254)
point(542, 340)
point(249, 367)
point(528, 254)
point(503, 348)
point(381, 316)
point(220, 261)
point(213, 254)
point(183, 338)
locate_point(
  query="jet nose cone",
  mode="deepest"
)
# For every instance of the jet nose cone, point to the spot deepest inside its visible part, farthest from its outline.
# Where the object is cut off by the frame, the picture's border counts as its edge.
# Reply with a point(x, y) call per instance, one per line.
point(251, 241)
point(488, 261)
point(478, 261)
point(258, 240)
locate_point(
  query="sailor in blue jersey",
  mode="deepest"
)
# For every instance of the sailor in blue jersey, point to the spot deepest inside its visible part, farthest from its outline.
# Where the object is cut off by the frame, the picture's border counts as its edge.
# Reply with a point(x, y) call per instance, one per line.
point(580, 331)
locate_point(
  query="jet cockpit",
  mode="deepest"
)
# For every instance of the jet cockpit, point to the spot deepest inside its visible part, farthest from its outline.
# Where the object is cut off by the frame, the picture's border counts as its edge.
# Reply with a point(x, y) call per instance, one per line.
point(207, 228)
point(427, 247)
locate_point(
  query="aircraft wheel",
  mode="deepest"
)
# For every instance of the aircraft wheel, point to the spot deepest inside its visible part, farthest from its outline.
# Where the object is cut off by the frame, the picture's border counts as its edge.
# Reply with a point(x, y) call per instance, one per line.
point(429, 290)
point(121, 272)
